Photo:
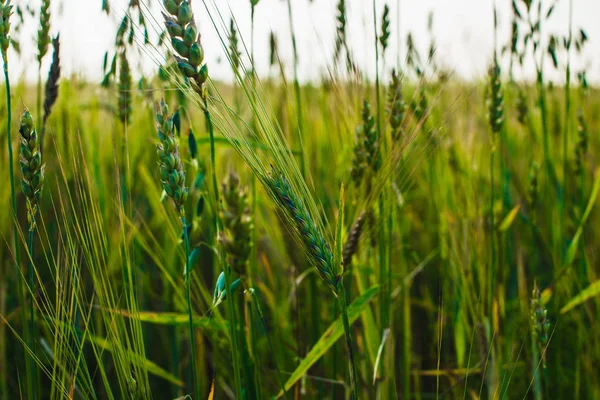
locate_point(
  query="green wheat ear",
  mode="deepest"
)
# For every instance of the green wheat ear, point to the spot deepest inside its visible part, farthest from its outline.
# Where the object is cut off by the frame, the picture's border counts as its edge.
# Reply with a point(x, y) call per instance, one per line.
point(43, 39)
point(5, 13)
point(495, 100)
point(172, 174)
point(310, 237)
point(186, 42)
point(396, 106)
point(236, 216)
point(125, 107)
point(32, 168)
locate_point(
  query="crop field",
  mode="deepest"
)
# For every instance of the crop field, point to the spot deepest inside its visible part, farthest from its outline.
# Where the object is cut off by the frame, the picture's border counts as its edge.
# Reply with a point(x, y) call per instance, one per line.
point(387, 231)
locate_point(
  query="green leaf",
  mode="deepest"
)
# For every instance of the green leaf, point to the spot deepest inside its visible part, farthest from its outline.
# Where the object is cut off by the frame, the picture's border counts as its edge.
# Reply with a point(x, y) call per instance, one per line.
point(582, 297)
point(572, 250)
point(509, 219)
point(331, 335)
point(169, 318)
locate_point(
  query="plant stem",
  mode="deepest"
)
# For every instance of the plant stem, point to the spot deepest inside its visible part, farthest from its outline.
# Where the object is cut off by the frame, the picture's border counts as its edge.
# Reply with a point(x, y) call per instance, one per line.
point(297, 86)
point(341, 296)
point(563, 197)
point(188, 283)
point(20, 291)
point(211, 135)
point(32, 323)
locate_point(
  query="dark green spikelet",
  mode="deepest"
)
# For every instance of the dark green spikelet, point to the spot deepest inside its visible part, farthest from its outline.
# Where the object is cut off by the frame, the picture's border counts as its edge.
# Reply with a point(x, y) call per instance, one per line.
point(53, 78)
point(234, 50)
point(124, 88)
point(185, 39)
point(43, 39)
point(351, 245)
point(32, 168)
point(540, 325)
point(495, 101)
point(272, 48)
point(309, 236)
point(533, 190)
point(522, 107)
point(340, 29)
point(396, 107)
point(5, 13)
point(366, 149)
point(370, 139)
point(385, 28)
point(236, 216)
point(172, 174)
point(582, 142)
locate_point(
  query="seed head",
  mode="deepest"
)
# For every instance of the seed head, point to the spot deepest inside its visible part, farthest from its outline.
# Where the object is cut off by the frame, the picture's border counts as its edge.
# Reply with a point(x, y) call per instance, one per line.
point(540, 325)
point(582, 142)
point(310, 237)
point(32, 168)
point(236, 216)
point(124, 88)
point(186, 42)
point(234, 50)
point(172, 174)
point(495, 100)
point(366, 151)
point(5, 13)
point(532, 192)
point(52, 82)
point(396, 107)
point(43, 39)
point(351, 245)
point(385, 28)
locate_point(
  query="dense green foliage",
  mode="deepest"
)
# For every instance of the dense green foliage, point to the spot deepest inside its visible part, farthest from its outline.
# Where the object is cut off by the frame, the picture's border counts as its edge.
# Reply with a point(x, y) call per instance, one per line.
point(459, 259)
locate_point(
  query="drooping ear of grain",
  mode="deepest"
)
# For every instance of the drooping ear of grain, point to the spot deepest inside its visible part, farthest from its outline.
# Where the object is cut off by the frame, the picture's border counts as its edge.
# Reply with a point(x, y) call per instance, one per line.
point(308, 235)
point(185, 40)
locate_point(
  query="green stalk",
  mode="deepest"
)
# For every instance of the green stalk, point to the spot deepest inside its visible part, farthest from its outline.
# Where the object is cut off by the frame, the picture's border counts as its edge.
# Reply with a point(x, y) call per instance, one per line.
point(341, 296)
point(492, 282)
point(297, 86)
point(20, 292)
point(39, 92)
point(226, 269)
point(271, 348)
point(377, 70)
point(211, 135)
point(32, 323)
point(563, 198)
point(188, 284)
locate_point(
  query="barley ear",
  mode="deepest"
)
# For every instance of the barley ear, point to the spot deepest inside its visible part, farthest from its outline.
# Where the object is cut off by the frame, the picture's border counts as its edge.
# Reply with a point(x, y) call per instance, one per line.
point(32, 168)
point(236, 216)
point(172, 175)
point(53, 78)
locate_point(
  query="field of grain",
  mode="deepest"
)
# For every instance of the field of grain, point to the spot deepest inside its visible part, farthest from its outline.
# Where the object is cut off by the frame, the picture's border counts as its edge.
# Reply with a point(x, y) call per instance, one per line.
point(404, 235)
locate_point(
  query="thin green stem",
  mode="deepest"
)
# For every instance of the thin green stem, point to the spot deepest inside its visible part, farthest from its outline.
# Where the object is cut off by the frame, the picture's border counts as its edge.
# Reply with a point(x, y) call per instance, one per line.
point(563, 197)
point(341, 296)
point(188, 284)
point(213, 162)
point(271, 348)
point(20, 290)
point(297, 86)
point(32, 306)
point(226, 269)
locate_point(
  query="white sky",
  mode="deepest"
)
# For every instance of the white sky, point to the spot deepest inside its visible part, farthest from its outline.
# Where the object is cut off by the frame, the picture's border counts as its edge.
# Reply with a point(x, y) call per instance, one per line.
point(463, 28)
